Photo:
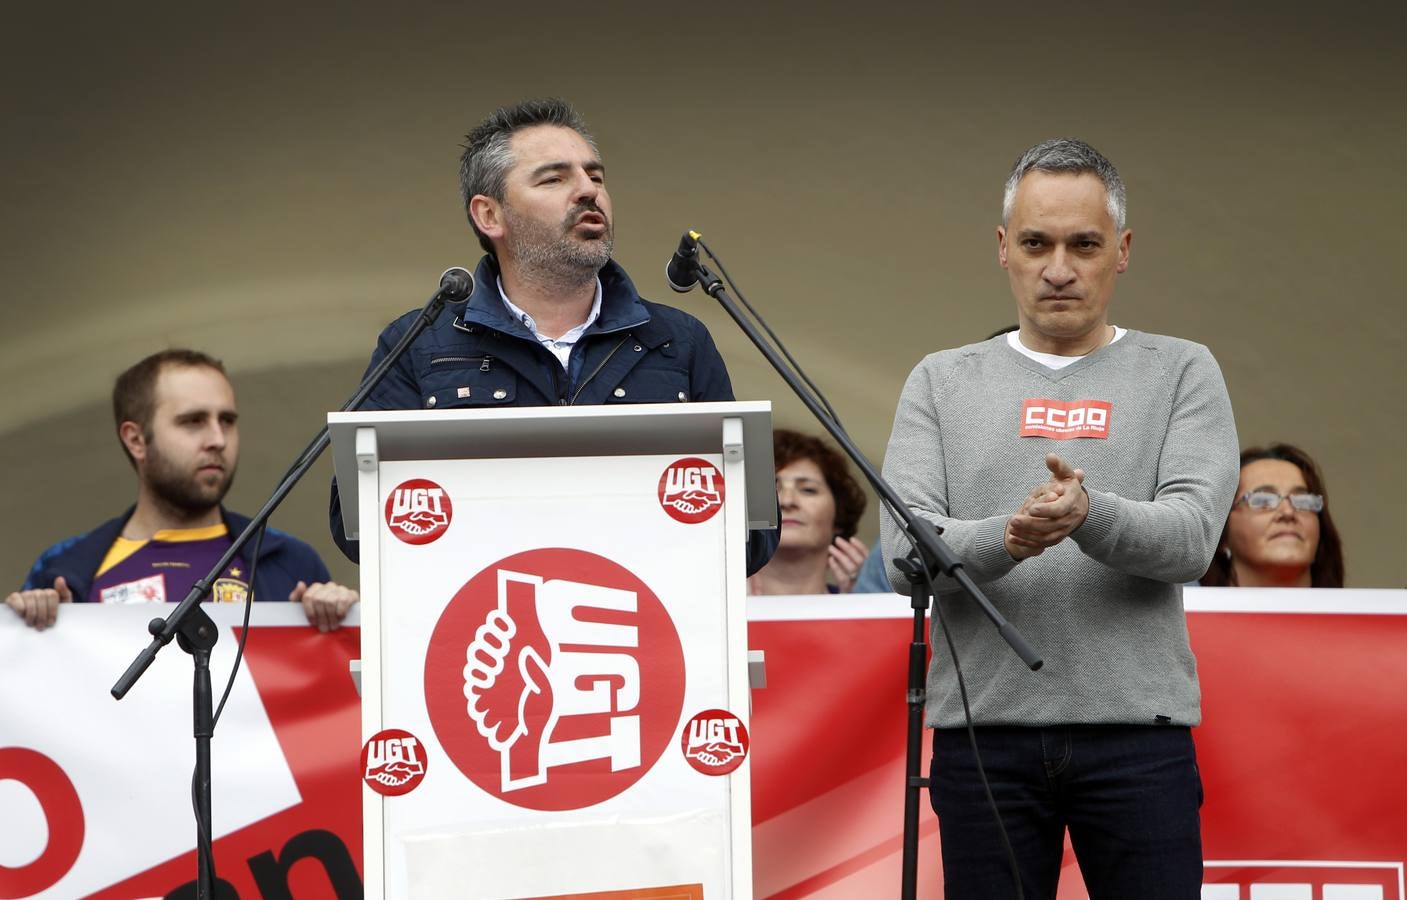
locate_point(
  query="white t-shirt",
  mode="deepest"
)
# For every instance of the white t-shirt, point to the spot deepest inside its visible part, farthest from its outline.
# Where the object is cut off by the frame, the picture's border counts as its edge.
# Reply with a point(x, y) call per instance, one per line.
point(1051, 360)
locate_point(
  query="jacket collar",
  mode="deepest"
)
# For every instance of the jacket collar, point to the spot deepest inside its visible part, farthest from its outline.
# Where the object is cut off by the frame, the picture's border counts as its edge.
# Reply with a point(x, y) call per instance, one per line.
point(621, 306)
point(79, 562)
point(234, 523)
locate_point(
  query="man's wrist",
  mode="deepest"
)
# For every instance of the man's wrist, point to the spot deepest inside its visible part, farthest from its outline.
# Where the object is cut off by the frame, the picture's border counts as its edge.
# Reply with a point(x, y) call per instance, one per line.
point(1016, 551)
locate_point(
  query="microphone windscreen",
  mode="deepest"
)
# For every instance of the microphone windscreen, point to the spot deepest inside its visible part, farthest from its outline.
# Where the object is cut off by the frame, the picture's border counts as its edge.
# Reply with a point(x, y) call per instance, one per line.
point(456, 284)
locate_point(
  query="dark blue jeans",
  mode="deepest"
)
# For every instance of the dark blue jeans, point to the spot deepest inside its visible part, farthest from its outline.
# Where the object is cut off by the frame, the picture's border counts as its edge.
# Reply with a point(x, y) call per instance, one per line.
point(1129, 795)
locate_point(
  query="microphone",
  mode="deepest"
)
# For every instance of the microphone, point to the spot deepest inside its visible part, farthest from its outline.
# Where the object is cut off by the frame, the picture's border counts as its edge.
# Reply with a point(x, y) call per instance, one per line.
point(682, 273)
point(456, 285)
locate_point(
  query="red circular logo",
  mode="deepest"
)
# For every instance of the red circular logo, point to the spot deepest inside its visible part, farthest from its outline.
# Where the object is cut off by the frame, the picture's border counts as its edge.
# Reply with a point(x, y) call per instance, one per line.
point(554, 679)
point(418, 511)
point(691, 490)
point(393, 762)
point(714, 742)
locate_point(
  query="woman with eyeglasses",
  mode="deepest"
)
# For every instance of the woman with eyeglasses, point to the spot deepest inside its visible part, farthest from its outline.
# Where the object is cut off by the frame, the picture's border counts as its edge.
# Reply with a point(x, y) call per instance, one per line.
point(1279, 532)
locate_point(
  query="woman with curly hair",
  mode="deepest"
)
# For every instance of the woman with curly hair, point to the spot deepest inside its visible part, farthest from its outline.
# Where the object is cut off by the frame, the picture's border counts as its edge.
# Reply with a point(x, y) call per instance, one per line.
point(821, 504)
point(1279, 532)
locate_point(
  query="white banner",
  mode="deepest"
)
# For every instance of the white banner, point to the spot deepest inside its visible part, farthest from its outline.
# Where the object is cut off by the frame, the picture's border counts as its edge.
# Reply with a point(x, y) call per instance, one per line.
point(1304, 773)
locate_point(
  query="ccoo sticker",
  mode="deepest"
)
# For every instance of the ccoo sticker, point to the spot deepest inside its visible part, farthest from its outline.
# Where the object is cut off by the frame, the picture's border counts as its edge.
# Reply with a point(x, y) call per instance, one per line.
point(1063, 421)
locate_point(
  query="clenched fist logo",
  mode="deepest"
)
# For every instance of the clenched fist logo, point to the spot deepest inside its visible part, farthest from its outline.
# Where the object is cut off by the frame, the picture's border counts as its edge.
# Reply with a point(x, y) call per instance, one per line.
point(506, 682)
point(554, 679)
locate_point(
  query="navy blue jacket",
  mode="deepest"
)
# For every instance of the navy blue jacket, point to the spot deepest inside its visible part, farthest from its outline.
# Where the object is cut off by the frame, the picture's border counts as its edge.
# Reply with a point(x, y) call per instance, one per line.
point(283, 560)
point(479, 356)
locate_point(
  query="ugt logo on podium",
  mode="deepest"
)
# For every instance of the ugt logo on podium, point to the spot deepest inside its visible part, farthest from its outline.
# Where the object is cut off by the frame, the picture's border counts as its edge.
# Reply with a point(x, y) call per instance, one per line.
point(691, 490)
point(418, 511)
point(554, 679)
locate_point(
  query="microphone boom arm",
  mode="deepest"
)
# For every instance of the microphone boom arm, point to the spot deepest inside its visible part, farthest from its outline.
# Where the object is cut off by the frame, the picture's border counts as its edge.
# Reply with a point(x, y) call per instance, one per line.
point(935, 553)
point(453, 284)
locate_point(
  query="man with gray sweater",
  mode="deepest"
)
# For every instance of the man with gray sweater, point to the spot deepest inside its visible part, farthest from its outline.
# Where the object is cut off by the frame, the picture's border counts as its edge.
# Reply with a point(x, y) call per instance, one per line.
point(1082, 472)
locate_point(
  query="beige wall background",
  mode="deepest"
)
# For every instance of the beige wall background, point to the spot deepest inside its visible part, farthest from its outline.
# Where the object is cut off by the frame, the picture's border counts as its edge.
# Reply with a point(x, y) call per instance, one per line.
point(274, 184)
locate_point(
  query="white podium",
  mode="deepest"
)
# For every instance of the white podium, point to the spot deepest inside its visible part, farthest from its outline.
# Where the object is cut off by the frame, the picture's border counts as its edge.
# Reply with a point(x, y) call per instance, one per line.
point(554, 646)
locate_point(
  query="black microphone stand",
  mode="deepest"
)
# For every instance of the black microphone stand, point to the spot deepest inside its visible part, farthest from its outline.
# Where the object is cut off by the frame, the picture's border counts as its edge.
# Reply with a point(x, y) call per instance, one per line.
point(932, 556)
point(194, 630)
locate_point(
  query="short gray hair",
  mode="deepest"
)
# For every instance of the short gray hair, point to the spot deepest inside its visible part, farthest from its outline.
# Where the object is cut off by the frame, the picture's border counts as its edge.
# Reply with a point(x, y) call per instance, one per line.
point(484, 165)
point(1075, 157)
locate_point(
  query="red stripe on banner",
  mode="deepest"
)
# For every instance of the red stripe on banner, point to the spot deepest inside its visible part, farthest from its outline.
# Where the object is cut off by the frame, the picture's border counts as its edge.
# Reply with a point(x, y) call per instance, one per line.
point(313, 850)
point(1300, 753)
point(828, 759)
point(1301, 746)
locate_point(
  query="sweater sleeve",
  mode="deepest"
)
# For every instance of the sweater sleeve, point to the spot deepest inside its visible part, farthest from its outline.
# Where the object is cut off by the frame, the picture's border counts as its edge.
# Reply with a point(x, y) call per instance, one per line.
point(39, 575)
point(1172, 537)
point(914, 465)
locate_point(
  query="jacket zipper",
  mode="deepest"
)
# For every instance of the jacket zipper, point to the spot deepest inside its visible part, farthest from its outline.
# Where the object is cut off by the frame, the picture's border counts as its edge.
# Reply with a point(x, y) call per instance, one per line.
point(485, 360)
point(587, 380)
point(459, 324)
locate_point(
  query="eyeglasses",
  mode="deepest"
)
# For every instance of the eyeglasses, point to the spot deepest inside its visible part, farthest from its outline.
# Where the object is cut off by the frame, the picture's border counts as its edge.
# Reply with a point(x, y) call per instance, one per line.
point(1267, 500)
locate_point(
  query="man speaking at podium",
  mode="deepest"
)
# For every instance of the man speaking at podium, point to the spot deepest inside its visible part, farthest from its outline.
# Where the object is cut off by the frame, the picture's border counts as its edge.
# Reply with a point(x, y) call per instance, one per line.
point(552, 320)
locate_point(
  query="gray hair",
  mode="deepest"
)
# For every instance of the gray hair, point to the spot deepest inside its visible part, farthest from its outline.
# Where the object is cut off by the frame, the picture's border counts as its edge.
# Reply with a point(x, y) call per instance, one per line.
point(484, 165)
point(1074, 157)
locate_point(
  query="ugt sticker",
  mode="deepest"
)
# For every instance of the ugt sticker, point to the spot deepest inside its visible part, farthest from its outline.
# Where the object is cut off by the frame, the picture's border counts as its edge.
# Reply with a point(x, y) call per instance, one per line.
point(715, 742)
point(393, 762)
point(418, 511)
point(691, 490)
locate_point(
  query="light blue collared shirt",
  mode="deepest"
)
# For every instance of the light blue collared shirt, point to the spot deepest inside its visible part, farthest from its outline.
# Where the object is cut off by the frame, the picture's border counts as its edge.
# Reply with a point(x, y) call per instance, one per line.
point(561, 347)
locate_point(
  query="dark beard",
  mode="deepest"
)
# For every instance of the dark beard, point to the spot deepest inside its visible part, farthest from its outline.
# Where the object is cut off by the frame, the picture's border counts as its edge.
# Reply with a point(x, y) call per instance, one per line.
point(182, 492)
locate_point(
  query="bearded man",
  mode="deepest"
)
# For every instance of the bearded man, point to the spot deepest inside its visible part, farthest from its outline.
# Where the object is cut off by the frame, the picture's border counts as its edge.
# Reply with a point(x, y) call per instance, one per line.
point(177, 422)
point(552, 320)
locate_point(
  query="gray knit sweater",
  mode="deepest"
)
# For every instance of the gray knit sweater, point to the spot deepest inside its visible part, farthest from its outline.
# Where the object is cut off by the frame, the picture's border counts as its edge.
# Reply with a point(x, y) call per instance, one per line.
point(1104, 606)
